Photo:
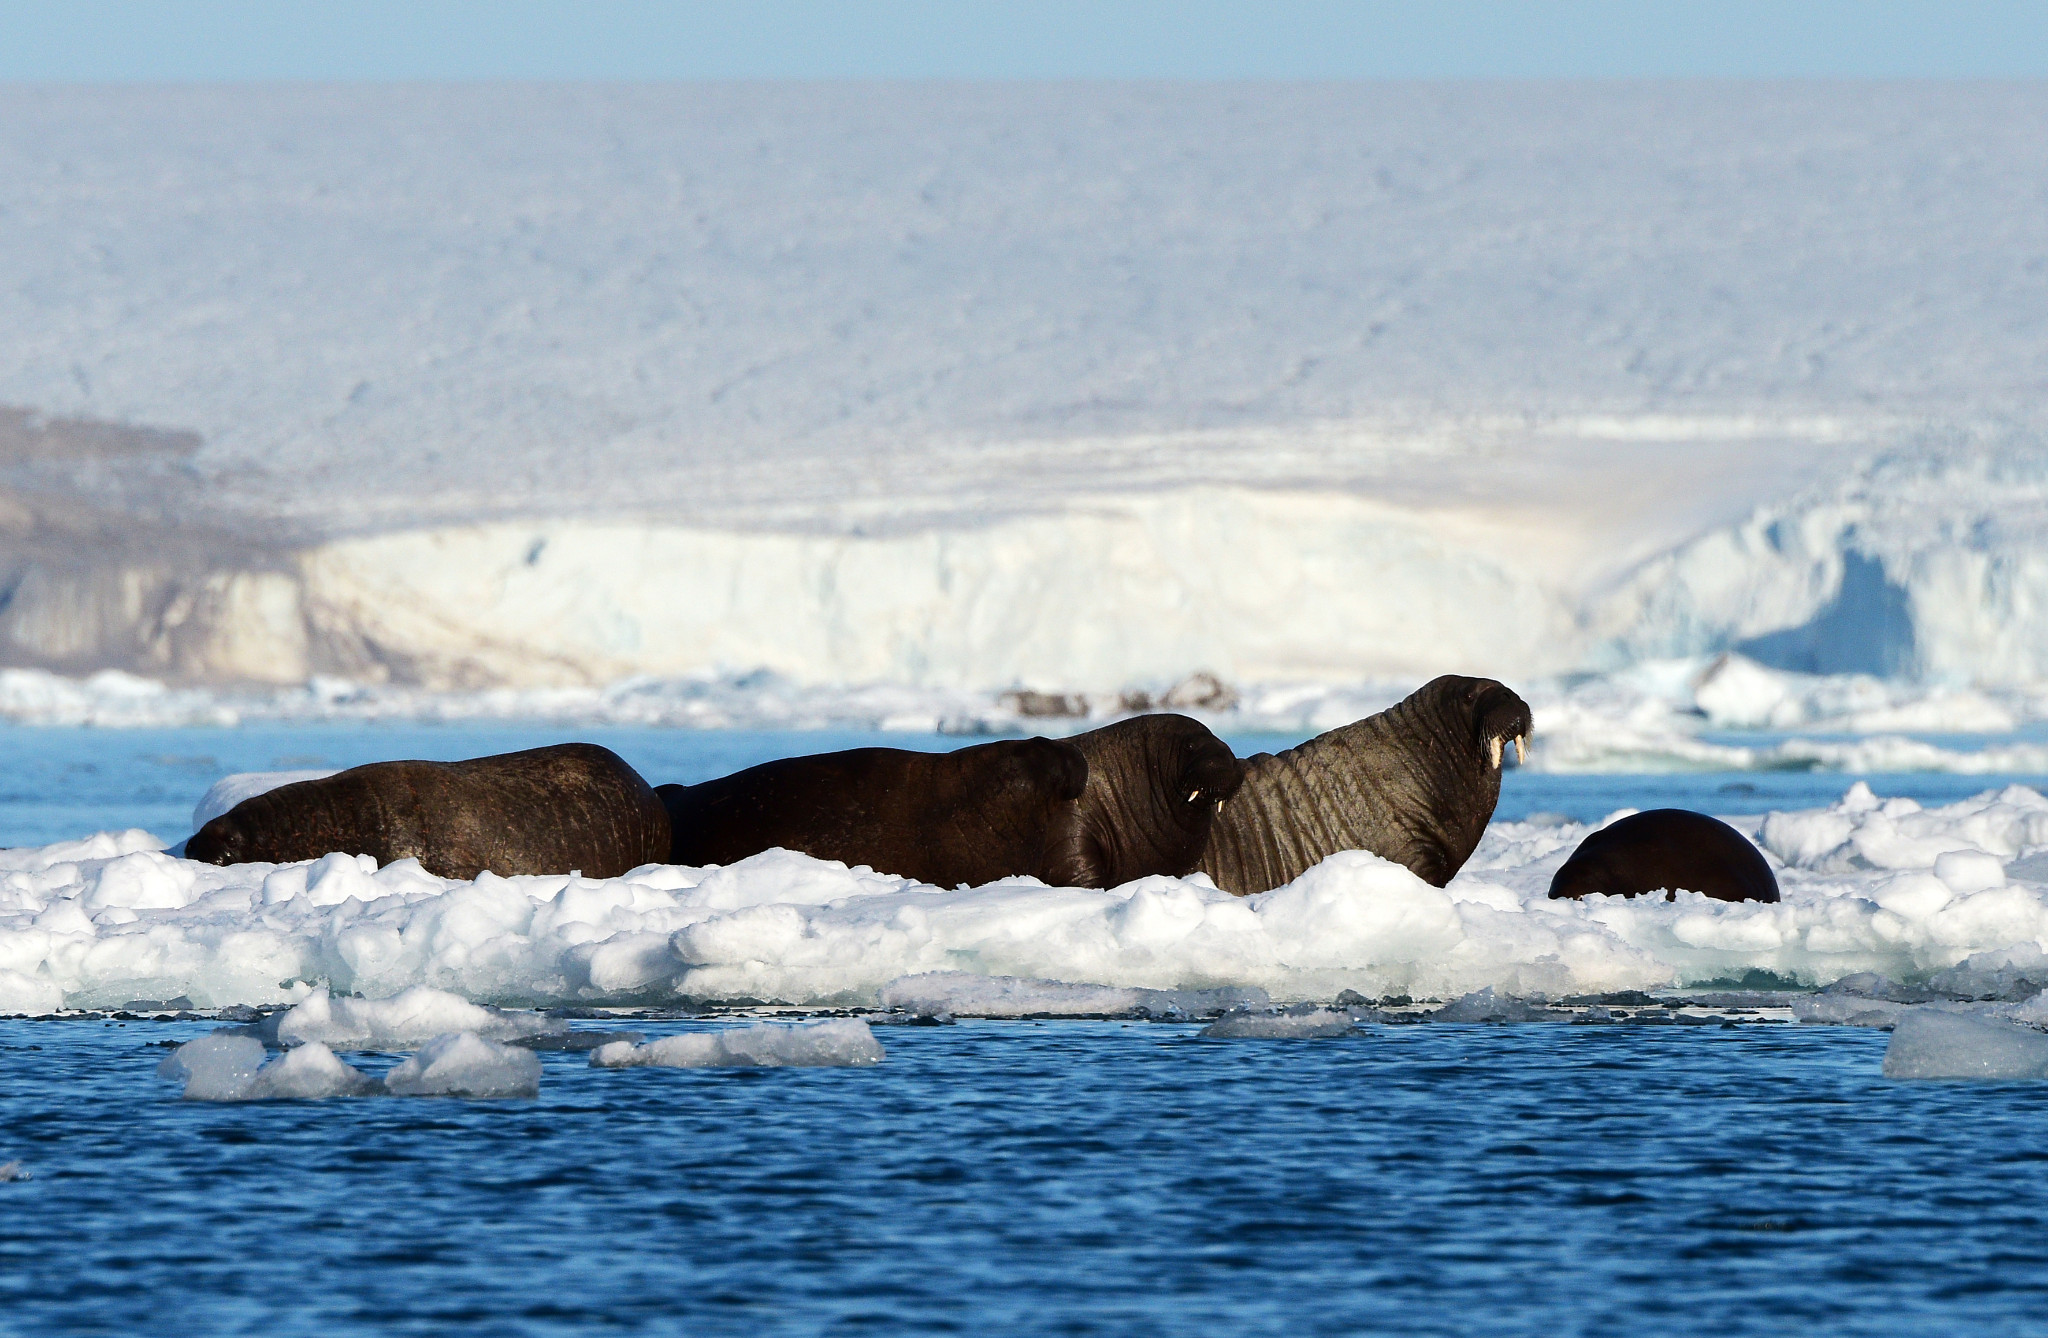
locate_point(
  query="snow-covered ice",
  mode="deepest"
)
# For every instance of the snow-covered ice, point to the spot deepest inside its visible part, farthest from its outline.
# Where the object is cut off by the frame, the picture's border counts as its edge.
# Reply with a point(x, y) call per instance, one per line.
point(407, 1019)
point(465, 1064)
point(230, 1067)
point(836, 1043)
point(1950, 898)
point(1933, 1043)
point(940, 993)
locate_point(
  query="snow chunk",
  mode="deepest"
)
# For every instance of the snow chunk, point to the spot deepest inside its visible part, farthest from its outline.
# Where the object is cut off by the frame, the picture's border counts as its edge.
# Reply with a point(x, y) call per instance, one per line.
point(963, 994)
point(1242, 1024)
point(230, 1067)
point(1931, 1043)
point(838, 1043)
point(26, 994)
point(465, 1064)
point(404, 1020)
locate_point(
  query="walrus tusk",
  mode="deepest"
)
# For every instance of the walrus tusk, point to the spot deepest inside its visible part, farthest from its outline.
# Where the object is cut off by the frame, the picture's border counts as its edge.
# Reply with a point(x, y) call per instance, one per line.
point(1193, 795)
point(1495, 742)
point(1522, 749)
point(1220, 803)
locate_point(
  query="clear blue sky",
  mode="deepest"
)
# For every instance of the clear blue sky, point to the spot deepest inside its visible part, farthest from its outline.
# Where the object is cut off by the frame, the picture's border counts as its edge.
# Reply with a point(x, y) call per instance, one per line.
point(973, 39)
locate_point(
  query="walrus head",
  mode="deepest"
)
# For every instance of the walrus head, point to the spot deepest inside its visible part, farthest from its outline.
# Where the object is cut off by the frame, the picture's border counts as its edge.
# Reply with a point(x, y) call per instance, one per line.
point(225, 840)
point(1488, 714)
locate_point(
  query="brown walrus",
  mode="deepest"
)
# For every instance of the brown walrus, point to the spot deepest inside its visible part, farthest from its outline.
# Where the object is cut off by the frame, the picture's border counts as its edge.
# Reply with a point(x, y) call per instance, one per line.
point(1415, 784)
point(563, 809)
point(991, 811)
point(1155, 784)
point(1667, 850)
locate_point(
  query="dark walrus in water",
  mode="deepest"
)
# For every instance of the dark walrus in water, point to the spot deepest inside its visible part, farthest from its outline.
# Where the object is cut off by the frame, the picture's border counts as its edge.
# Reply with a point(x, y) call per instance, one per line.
point(972, 816)
point(1155, 784)
point(572, 807)
point(1667, 850)
point(1415, 784)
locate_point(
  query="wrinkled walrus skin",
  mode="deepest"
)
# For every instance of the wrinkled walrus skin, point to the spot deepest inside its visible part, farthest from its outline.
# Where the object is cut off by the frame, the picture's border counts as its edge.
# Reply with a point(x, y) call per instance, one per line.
point(1155, 783)
point(1415, 784)
point(972, 816)
point(574, 807)
point(1667, 850)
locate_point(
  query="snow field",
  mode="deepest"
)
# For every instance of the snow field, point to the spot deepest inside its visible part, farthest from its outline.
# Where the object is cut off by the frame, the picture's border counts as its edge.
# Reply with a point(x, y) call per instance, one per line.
point(1870, 885)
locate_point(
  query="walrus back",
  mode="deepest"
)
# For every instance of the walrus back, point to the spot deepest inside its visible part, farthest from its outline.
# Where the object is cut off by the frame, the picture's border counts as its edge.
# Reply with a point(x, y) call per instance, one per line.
point(1667, 849)
point(970, 816)
point(561, 809)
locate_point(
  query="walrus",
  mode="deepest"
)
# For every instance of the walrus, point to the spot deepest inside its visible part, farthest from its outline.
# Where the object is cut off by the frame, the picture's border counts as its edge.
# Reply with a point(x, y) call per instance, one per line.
point(1415, 784)
point(1667, 850)
point(990, 811)
point(1155, 783)
point(562, 809)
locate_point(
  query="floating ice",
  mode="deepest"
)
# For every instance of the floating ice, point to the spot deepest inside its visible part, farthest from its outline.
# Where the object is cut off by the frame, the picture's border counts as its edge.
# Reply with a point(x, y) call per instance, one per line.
point(465, 1064)
point(1290, 1025)
point(964, 994)
point(229, 1067)
point(838, 1043)
point(1949, 898)
point(1934, 1043)
point(13, 1170)
point(1485, 1006)
point(407, 1019)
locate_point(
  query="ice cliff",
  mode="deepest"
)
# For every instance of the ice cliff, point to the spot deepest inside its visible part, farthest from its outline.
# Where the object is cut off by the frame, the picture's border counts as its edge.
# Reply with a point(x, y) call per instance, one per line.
point(1068, 386)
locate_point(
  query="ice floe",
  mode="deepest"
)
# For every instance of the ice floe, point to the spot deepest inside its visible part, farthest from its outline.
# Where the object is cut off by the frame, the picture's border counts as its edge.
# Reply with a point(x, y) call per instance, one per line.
point(409, 1018)
point(1951, 898)
point(837, 1043)
point(1933, 1043)
point(1288, 1024)
point(465, 1064)
point(229, 1067)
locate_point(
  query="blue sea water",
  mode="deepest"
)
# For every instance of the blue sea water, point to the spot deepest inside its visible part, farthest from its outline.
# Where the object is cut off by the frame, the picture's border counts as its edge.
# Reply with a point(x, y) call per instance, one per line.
point(1061, 1177)
point(1047, 1178)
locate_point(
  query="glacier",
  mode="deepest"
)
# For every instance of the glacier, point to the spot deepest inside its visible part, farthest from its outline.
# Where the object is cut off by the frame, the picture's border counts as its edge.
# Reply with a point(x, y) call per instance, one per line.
point(523, 390)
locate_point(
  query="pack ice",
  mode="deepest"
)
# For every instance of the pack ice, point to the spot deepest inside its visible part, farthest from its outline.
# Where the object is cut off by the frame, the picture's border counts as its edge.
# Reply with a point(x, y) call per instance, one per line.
point(1871, 885)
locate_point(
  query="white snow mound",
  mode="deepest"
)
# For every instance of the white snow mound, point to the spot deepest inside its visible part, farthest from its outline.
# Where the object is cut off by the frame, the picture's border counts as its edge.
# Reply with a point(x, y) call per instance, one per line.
point(465, 1064)
point(229, 1067)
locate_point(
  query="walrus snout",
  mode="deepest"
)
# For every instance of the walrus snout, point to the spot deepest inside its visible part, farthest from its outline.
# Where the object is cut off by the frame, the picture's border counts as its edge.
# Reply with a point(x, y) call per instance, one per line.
point(1213, 773)
point(1502, 718)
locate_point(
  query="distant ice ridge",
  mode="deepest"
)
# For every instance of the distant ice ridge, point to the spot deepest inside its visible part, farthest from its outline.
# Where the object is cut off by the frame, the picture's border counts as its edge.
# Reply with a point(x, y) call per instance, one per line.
point(1954, 896)
point(1659, 715)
